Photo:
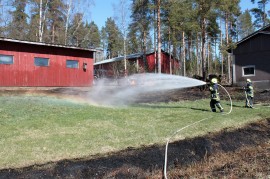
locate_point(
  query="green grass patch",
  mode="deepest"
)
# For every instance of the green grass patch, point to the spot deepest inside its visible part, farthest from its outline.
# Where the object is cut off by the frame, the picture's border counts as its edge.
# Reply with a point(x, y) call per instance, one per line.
point(36, 130)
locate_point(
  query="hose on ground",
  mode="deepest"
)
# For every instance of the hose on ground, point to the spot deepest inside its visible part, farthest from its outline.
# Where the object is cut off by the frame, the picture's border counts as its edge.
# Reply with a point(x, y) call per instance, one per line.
point(187, 126)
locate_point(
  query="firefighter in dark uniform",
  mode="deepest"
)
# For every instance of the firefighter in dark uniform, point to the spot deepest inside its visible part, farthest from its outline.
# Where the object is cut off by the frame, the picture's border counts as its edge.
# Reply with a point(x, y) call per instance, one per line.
point(249, 94)
point(215, 99)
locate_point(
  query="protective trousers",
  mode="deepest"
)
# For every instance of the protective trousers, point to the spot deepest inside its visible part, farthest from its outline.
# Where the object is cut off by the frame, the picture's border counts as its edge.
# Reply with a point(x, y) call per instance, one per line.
point(249, 102)
point(214, 104)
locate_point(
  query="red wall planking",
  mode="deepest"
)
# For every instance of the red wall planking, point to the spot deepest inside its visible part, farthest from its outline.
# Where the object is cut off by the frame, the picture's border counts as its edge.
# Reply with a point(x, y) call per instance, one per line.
point(23, 71)
point(165, 64)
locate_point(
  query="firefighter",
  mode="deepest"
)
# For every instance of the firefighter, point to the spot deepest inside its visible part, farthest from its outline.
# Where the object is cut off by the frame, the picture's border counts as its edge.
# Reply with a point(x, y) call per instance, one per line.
point(249, 94)
point(215, 99)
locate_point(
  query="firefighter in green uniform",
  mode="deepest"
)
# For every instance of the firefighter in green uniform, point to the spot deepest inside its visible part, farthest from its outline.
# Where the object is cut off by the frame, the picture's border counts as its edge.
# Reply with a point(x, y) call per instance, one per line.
point(249, 94)
point(215, 99)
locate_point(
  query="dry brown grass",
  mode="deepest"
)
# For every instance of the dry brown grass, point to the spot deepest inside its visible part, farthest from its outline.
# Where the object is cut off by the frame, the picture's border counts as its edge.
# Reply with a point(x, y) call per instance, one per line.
point(247, 162)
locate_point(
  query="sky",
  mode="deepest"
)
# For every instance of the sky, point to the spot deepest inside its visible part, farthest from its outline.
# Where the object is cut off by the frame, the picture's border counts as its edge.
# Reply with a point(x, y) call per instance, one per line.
point(104, 9)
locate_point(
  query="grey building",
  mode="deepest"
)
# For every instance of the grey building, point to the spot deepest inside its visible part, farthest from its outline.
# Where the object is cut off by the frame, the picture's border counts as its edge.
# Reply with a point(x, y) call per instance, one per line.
point(251, 59)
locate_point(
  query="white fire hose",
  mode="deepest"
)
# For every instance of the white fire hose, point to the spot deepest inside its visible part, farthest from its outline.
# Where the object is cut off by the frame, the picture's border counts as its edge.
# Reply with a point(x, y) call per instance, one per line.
point(179, 130)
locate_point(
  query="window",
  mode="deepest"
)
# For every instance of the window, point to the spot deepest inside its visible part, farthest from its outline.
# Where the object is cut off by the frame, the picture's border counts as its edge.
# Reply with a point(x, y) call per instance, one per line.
point(249, 71)
point(41, 61)
point(6, 59)
point(72, 64)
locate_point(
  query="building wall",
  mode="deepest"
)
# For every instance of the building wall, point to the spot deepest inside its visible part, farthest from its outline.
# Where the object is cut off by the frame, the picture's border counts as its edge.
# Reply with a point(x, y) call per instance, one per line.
point(23, 71)
point(165, 65)
point(259, 42)
point(253, 52)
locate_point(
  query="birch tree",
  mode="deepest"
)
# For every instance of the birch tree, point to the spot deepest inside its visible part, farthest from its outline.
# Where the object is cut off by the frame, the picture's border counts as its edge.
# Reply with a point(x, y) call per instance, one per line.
point(43, 8)
point(121, 11)
point(67, 11)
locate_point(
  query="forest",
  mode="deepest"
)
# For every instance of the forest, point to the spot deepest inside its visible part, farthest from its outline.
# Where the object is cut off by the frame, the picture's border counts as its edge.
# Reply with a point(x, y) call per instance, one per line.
point(199, 33)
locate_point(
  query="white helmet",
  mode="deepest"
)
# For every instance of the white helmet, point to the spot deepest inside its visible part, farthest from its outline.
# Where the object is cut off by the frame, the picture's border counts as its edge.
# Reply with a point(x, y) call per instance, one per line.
point(214, 80)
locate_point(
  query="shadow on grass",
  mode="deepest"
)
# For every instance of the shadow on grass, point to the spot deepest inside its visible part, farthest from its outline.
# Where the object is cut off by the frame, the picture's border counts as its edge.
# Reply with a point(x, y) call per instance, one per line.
point(148, 160)
point(171, 107)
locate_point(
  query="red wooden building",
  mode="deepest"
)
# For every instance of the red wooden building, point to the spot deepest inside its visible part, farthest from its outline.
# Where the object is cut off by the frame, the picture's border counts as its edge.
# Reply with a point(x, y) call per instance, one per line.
point(169, 64)
point(33, 64)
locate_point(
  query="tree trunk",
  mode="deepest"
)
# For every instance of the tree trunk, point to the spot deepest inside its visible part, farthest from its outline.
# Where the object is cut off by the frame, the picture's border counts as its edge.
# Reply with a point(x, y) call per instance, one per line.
point(210, 57)
point(198, 55)
point(144, 52)
point(159, 39)
point(227, 43)
point(191, 53)
point(184, 54)
point(155, 43)
point(40, 34)
point(42, 18)
point(221, 53)
point(215, 67)
point(53, 34)
point(204, 71)
point(67, 20)
point(170, 50)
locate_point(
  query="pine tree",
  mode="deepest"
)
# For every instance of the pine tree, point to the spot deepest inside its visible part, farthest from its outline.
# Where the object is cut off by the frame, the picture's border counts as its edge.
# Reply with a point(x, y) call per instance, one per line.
point(2, 28)
point(77, 31)
point(260, 13)
point(141, 21)
point(245, 24)
point(114, 39)
point(18, 27)
point(93, 36)
point(55, 22)
point(229, 11)
point(183, 25)
point(133, 42)
point(33, 33)
point(204, 9)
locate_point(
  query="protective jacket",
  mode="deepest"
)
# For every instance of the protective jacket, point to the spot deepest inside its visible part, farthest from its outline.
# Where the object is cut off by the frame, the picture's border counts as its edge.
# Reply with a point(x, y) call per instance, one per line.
point(249, 89)
point(214, 92)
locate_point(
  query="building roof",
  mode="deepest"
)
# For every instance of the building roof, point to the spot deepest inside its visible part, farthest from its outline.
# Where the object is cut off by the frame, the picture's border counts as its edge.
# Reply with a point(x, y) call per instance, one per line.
point(260, 31)
point(265, 30)
point(131, 56)
point(45, 44)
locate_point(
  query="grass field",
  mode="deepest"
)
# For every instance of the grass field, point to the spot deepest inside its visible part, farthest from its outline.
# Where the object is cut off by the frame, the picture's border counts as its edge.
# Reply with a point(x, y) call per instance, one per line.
point(38, 129)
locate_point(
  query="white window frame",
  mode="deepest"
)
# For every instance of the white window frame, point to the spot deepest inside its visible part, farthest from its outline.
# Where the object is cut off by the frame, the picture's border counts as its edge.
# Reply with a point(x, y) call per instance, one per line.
point(36, 58)
point(249, 66)
point(2, 62)
point(72, 66)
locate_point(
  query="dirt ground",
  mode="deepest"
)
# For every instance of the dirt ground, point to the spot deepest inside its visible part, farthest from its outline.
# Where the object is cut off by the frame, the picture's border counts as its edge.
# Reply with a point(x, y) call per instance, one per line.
point(230, 153)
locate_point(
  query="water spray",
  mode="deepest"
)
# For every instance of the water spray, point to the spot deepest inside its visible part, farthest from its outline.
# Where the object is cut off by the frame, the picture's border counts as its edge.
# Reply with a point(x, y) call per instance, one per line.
point(104, 93)
point(187, 126)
